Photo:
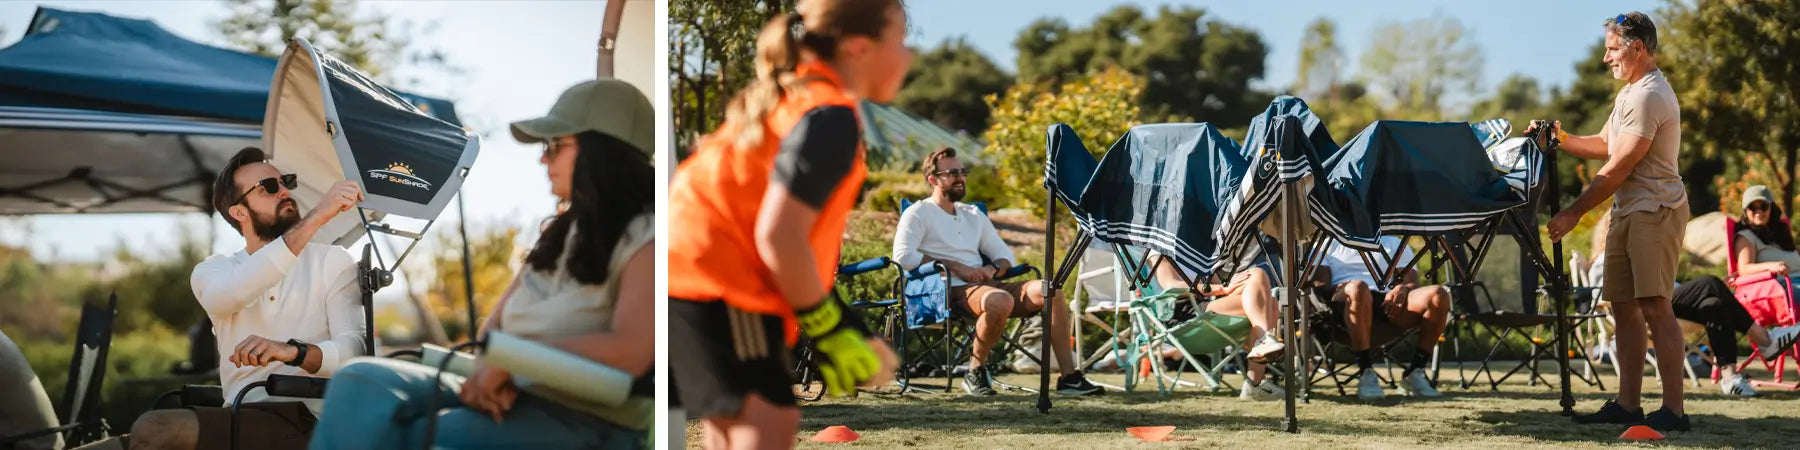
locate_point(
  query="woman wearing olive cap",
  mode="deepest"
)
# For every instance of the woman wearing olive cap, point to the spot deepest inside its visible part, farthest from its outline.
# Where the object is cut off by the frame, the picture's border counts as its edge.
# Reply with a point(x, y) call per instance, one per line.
point(587, 288)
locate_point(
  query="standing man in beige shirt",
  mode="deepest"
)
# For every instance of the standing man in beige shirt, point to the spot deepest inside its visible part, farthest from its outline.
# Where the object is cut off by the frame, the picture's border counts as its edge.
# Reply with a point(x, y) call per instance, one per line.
point(1650, 212)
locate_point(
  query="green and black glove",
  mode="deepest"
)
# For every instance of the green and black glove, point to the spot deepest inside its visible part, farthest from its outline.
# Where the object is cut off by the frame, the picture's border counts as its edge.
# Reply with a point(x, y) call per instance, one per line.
point(848, 359)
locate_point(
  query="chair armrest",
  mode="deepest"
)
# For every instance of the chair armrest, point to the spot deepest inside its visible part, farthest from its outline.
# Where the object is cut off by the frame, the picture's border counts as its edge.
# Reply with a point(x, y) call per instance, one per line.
point(461, 363)
point(866, 266)
point(536, 365)
point(10, 441)
point(925, 270)
point(1018, 270)
point(296, 386)
point(203, 395)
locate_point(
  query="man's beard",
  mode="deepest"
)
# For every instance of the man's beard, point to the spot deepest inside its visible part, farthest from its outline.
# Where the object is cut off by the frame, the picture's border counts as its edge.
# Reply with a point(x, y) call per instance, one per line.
point(955, 192)
point(283, 220)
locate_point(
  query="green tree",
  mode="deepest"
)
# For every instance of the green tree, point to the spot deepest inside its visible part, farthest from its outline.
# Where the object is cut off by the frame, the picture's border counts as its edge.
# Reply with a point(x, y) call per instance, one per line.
point(1732, 64)
point(1100, 107)
point(365, 40)
point(712, 46)
point(1412, 64)
point(1321, 62)
point(491, 255)
point(946, 85)
point(1192, 68)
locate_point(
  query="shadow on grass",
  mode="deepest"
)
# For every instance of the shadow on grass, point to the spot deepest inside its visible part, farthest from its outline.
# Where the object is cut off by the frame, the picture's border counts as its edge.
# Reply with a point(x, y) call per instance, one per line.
point(1017, 413)
point(1709, 431)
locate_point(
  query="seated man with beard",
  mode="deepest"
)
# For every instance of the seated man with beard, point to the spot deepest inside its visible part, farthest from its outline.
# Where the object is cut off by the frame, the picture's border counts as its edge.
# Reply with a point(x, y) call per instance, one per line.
point(944, 230)
point(280, 306)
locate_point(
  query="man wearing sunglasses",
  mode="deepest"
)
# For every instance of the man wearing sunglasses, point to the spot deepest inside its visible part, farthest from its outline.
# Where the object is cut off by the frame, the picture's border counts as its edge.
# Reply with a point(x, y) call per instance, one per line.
point(944, 230)
point(1639, 144)
point(280, 306)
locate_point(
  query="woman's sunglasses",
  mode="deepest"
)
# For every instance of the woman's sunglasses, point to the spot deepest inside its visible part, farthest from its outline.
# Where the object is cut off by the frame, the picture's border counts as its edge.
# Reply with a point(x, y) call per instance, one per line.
point(273, 185)
point(1758, 207)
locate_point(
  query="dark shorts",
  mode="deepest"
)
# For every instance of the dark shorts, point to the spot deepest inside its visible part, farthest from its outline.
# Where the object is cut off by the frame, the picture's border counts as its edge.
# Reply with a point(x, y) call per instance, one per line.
point(718, 355)
point(266, 425)
point(959, 296)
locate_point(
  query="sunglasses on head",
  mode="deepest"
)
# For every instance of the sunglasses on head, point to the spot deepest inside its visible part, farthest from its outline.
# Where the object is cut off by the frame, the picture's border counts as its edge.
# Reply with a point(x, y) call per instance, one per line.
point(963, 172)
point(1620, 20)
point(272, 185)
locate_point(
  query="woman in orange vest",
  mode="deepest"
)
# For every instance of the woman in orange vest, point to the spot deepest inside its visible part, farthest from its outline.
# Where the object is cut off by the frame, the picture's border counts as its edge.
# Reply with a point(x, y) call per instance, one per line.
point(757, 214)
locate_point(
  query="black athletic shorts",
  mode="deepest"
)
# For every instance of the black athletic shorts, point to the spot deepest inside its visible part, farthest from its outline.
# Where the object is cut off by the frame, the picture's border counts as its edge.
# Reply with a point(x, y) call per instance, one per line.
point(719, 354)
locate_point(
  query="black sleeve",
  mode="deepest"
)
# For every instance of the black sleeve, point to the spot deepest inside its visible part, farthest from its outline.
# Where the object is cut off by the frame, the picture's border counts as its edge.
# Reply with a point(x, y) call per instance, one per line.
point(816, 155)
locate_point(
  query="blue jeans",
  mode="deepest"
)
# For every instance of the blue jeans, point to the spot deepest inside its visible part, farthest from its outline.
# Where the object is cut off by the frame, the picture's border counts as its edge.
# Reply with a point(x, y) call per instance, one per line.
point(384, 403)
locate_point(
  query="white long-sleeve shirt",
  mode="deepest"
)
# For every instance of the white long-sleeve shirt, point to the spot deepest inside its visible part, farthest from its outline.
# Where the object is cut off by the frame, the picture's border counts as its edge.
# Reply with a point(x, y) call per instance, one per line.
point(926, 230)
point(277, 295)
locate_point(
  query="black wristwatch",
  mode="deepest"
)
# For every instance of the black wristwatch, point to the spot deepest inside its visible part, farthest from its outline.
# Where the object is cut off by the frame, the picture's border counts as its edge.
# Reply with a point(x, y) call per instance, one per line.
point(299, 357)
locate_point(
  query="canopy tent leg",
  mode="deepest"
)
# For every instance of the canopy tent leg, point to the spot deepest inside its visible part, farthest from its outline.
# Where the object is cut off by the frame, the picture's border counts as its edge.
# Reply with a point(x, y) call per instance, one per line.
point(1050, 293)
point(1297, 311)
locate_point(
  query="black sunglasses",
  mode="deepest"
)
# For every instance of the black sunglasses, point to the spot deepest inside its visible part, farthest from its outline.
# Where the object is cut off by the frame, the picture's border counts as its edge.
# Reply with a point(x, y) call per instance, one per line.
point(1758, 206)
point(272, 185)
point(963, 172)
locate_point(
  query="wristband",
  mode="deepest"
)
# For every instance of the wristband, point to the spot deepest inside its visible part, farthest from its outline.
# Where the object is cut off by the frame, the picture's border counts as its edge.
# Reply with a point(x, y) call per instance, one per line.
point(299, 357)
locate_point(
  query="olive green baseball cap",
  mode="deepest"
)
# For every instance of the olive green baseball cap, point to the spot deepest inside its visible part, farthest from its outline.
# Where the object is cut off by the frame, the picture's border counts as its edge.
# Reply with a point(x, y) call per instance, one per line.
point(606, 105)
point(1758, 192)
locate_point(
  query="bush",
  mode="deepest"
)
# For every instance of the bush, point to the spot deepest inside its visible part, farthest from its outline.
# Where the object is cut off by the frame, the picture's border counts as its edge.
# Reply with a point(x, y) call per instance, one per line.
point(1100, 107)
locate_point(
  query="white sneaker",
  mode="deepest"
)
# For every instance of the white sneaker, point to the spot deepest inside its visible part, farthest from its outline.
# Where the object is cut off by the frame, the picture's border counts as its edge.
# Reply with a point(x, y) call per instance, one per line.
point(1780, 339)
point(1266, 391)
point(1369, 387)
point(1738, 385)
point(1416, 385)
point(1267, 349)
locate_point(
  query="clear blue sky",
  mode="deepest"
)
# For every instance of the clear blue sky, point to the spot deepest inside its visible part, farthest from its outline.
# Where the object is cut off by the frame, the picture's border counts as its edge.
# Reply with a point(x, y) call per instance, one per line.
point(1539, 38)
point(519, 56)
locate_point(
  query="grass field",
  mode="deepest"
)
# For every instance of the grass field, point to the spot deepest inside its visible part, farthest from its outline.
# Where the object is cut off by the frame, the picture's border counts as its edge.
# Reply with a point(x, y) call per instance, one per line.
point(1515, 416)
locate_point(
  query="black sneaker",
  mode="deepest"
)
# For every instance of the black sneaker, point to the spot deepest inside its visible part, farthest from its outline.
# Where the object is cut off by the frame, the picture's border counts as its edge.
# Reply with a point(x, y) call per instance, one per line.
point(1076, 384)
point(976, 382)
point(1665, 421)
point(1611, 412)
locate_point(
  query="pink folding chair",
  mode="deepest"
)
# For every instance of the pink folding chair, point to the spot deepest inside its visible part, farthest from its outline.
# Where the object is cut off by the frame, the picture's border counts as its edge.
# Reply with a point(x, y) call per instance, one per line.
point(1769, 298)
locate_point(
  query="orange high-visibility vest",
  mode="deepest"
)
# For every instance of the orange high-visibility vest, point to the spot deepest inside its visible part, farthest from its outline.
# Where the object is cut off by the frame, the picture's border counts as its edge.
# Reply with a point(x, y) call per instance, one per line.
point(715, 198)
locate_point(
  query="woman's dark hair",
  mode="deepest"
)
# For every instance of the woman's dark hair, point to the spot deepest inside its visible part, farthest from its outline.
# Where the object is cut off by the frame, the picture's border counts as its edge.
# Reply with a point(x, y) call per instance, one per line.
point(1774, 233)
point(612, 184)
point(821, 23)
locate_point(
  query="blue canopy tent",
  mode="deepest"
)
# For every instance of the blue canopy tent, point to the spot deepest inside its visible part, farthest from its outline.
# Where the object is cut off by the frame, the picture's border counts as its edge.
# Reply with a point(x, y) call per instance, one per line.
point(103, 114)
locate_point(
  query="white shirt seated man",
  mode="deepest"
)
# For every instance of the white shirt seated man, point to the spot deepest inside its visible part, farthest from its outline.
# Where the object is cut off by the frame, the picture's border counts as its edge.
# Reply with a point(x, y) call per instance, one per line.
point(282, 305)
point(955, 234)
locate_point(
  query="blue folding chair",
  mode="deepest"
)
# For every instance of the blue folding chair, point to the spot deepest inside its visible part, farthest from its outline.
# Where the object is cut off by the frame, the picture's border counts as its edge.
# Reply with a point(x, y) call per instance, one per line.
point(922, 305)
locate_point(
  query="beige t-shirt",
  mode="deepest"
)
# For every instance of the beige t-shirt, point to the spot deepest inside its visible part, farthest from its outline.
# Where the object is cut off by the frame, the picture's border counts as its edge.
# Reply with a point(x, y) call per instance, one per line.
point(1766, 252)
point(1647, 109)
point(548, 307)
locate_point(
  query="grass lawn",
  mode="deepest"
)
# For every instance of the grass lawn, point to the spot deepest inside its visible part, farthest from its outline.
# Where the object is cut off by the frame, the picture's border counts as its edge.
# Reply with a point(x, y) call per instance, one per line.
point(1517, 415)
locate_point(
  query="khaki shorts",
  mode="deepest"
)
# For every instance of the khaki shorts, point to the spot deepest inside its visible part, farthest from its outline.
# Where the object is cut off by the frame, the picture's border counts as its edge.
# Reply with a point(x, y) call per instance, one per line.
point(960, 295)
point(1642, 248)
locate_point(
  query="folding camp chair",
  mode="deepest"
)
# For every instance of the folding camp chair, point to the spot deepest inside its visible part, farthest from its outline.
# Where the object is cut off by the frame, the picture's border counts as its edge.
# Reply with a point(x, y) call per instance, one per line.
point(920, 317)
point(1769, 299)
point(1474, 309)
point(80, 418)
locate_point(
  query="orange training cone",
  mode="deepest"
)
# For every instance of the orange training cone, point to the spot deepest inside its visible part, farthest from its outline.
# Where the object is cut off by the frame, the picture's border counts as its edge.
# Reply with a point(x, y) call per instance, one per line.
point(836, 434)
point(1641, 433)
point(1151, 434)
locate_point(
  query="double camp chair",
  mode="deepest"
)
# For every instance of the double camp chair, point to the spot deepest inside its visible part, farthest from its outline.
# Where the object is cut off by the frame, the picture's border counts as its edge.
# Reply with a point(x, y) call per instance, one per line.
point(929, 336)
